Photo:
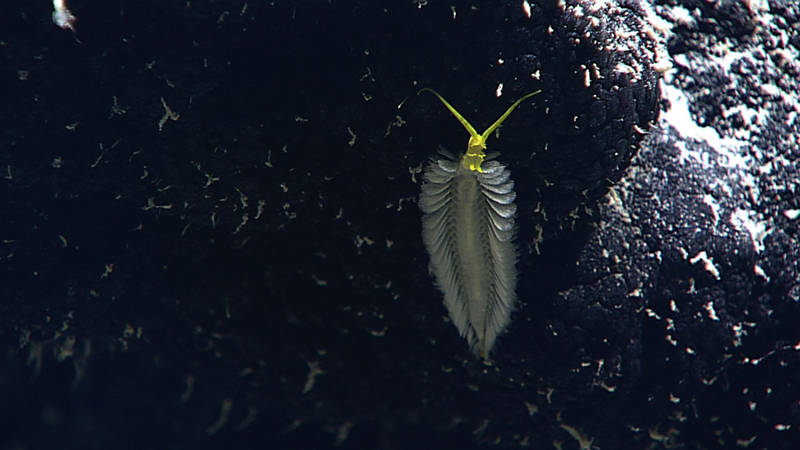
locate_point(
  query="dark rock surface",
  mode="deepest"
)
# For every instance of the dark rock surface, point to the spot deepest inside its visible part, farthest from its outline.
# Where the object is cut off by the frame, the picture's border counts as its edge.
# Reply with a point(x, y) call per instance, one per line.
point(251, 273)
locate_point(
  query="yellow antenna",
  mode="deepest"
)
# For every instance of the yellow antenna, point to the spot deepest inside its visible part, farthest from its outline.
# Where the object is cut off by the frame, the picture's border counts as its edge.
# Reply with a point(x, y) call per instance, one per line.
point(476, 147)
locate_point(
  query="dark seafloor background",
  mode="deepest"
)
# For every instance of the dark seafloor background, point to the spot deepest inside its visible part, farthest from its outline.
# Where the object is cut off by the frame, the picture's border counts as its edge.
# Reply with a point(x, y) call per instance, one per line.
point(251, 275)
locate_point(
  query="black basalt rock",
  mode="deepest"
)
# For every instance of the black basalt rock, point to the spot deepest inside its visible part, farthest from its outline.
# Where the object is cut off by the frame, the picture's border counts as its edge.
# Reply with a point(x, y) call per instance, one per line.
point(210, 234)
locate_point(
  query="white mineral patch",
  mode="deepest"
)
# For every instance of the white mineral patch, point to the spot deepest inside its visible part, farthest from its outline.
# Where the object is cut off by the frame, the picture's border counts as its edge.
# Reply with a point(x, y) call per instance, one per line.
point(679, 117)
point(745, 220)
point(682, 16)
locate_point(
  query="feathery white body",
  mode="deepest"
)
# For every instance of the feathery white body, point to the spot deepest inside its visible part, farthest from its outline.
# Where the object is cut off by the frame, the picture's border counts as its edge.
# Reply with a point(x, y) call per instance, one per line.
point(468, 230)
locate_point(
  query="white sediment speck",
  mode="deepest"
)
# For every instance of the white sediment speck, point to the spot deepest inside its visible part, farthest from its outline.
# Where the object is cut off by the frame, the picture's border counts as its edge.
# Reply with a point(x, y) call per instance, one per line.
point(708, 263)
point(709, 200)
point(62, 16)
point(712, 314)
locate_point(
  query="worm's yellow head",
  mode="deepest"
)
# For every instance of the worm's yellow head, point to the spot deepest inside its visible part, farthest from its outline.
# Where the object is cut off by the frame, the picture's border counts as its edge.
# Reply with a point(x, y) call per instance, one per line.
point(476, 147)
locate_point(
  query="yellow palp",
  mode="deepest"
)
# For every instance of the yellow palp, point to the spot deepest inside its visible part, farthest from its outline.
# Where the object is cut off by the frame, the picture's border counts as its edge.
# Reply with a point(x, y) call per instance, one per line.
point(476, 146)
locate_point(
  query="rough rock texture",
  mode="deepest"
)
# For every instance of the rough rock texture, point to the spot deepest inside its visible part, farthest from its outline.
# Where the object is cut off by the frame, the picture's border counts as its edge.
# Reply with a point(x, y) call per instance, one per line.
point(210, 234)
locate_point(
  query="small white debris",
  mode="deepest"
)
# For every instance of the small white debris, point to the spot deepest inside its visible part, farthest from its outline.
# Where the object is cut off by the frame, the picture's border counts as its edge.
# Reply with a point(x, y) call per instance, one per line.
point(222, 16)
point(66, 349)
point(224, 412)
point(381, 332)
point(760, 272)
point(242, 198)
point(187, 393)
point(584, 441)
point(621, 67)
point(169, 114)
point(651, 313)
point(361, 240)
point(414, 171)
point(62, 16)
point(499, 91)
point(397, 123)
point(712, 314)
point(367, 76)
point(342, 433)
point(242, 223)
point(596, 72)
point(319, 281)
point(792, 214)
point(709, 200)
point(526, 8)
point(313, 371)
point(268, 162)
point(738, 332)
point(662, 66)
point(109, 268)
point(708, 263)
point(116, 109)
point(287, 211)
point(682, 16)
point(260, 209)
point(151, 204)
point(210, 179)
